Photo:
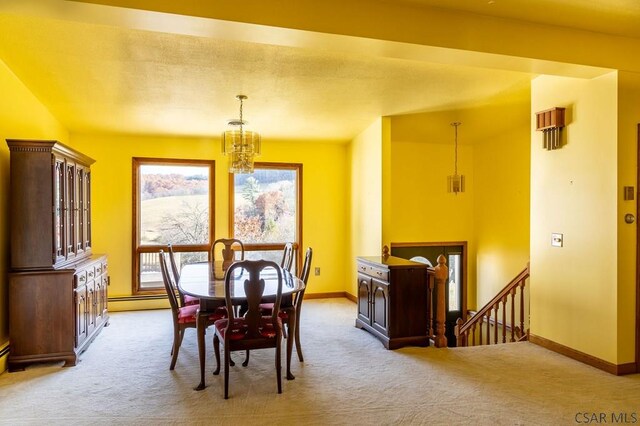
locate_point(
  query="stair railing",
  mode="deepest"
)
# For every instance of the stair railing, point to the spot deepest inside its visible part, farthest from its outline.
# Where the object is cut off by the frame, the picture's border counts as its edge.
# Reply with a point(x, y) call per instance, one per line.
point(466, 332)
point(436, 286)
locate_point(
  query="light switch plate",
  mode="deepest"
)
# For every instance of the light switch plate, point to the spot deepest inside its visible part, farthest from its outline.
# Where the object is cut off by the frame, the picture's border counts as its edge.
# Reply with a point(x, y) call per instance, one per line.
point(556, 240)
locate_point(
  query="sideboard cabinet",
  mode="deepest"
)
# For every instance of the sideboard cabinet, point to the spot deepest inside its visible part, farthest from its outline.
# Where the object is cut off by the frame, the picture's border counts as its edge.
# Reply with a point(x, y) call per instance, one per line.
point(57, 288)
point(392, 300)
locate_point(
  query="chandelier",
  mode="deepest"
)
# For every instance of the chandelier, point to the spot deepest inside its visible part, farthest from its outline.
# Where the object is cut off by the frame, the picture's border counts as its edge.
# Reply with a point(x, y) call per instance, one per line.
point(455, 181)
point(241, 145)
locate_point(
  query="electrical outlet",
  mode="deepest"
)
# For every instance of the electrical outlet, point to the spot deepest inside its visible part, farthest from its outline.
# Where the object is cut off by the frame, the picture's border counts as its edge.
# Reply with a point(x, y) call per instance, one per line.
point(317, 270)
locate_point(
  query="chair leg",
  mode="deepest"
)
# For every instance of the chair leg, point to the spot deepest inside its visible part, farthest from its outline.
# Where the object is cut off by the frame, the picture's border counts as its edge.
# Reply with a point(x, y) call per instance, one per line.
point(181, 336)
point(298, 346)
point(279, 366)
point(227, 355)
point(246, 360)
point(216, 350)
point(176, 348)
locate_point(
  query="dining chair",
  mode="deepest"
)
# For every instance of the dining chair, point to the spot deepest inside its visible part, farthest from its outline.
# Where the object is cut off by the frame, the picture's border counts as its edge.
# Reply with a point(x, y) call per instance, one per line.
point(184, 299)
point(228, 252)
point(253, 330)
point(183, 317)
point(287, 257)
point(285, 311)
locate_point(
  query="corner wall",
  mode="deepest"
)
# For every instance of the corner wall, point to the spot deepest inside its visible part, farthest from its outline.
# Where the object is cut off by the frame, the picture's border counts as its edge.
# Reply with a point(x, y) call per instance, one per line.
point(22, 116)
point(492, 215)
point(574, 191)
point(628, 121)
point(366, 199)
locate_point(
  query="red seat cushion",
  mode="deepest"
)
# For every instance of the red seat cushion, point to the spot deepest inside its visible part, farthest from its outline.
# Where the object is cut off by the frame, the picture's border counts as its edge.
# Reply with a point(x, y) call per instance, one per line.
point(267, 308)
point(188, 313)
point(190, 300)
point(238, 329)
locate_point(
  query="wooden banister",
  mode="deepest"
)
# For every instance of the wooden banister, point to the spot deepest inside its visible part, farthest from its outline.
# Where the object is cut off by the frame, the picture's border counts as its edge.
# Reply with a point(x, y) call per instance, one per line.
point(499, 302)
point(441, 277)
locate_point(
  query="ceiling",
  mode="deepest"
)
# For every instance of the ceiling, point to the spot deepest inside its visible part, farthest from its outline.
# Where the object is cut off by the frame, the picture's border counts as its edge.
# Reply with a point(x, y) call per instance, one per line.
point(620, 17)
point(111, 78)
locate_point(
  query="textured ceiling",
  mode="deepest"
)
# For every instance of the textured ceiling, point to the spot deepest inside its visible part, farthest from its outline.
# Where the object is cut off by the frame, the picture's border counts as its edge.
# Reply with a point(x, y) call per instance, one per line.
point(115, 79)
point(107, 79)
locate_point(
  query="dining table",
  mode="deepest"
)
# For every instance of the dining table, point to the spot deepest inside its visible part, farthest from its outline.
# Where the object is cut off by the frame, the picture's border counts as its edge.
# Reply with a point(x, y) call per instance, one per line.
point(205, 281)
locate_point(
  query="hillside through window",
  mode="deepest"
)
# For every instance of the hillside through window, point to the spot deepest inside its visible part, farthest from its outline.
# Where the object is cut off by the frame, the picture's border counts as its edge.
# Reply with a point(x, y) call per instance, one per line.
point(173, 202)
point(266, 210)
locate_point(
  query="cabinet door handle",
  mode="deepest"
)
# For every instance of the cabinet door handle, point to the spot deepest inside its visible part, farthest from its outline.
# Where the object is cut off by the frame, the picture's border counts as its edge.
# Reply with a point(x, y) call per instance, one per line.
point(82, 278)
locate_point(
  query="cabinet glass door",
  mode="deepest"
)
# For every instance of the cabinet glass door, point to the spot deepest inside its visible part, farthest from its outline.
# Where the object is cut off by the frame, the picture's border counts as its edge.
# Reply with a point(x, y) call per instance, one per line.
point(78, 211)
point(58, 208)
point(87, 209)
point(69, 209)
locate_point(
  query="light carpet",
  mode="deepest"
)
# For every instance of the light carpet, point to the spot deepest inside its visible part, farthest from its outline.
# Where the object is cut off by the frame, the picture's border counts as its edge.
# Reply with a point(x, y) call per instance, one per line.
point(347, 378)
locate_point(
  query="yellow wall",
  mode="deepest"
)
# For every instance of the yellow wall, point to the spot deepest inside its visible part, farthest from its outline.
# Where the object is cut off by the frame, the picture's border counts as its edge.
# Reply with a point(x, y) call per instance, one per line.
point(574, 191)
point(22, 116)
point(628, 120)
point(502, 181)
point(365, 218)
point(492, 215)
point(324, 199)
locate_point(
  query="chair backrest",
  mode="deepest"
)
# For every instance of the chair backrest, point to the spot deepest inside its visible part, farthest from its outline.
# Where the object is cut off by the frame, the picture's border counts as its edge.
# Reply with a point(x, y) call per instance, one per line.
point(304, 277)
point(287, 257)
point(174, 265)
point(228, 252)
point(306, 266)
point(254, 289)
point(168, 284)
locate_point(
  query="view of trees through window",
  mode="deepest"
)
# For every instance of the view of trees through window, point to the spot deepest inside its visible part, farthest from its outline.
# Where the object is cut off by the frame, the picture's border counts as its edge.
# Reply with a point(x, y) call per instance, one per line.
point(173, 199)
point(266, 210)
point(174, 205)
point(265, 206)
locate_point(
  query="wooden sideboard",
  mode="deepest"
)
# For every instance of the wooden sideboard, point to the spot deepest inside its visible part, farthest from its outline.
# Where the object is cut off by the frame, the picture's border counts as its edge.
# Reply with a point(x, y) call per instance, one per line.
point(393, 300)
point(57, 288)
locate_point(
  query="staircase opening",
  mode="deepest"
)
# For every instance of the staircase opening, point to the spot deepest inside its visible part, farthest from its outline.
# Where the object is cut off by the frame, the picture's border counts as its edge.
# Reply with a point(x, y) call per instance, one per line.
point(456, 291)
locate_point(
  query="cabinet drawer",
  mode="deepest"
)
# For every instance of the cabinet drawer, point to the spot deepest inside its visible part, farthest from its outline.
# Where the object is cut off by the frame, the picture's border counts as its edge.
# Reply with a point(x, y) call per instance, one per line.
point(80, 278)
point(379, 273)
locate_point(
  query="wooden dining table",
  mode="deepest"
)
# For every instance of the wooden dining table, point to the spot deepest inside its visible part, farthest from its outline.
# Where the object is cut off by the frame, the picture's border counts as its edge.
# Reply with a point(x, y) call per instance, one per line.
point(205, 281)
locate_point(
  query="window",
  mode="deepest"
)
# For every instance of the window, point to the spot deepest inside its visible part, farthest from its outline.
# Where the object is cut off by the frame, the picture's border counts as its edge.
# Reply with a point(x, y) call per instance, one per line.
point(266, 210)
point(172, 204)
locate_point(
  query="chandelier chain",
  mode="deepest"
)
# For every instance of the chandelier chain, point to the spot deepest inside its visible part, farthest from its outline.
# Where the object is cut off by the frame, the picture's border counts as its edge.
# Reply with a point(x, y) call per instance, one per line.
point(241, 122)
point(455, 160)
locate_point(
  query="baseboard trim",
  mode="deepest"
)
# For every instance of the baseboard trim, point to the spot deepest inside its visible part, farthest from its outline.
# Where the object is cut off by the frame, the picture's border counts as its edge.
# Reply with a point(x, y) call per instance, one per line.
point(137, 298)
point(329, 295)
point(617, 369)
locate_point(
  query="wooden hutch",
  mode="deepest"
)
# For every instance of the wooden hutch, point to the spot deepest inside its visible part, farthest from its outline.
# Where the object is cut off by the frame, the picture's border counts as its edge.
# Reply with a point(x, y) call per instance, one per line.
point(57, 287)
point(401, 302)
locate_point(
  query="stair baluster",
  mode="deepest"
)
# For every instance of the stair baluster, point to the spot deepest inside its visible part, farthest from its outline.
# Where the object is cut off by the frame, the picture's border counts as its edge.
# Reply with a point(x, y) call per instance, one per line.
point(500, 301)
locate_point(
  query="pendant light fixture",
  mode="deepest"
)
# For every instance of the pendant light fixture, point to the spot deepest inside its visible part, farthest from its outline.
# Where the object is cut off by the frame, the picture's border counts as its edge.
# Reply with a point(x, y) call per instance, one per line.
point(455, 181)
point(241, 145)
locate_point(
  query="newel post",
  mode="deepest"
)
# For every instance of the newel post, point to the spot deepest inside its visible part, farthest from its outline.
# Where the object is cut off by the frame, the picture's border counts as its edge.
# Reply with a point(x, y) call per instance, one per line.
point(442, 275)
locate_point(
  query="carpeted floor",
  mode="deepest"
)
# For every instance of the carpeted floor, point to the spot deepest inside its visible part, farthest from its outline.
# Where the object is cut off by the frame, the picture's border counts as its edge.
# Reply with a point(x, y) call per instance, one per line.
point(347, 378)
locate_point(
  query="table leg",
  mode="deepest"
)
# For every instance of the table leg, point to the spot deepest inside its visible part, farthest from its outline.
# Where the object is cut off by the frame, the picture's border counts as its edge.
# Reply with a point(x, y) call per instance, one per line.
point(291, 332)
point(201, 326)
